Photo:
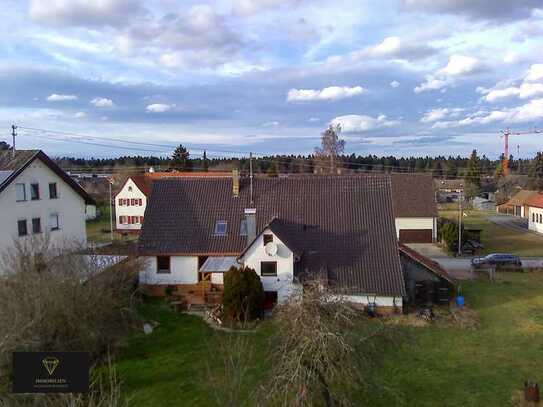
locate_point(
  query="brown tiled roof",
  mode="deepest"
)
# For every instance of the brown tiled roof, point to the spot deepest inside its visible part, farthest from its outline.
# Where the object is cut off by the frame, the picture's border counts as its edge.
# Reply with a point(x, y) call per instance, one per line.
point(521, 197)
point(428, 263)
point(23, 158)
point(144, 182)
point(344, 225)
point(535, 200)
point(413, 195)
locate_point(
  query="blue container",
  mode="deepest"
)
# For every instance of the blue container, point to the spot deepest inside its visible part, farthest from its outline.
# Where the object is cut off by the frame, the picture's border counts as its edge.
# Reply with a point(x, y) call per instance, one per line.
point(460, 301)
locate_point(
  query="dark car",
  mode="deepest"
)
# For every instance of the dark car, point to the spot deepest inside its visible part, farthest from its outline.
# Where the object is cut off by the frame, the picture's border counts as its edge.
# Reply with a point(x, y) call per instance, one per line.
point(496, 259)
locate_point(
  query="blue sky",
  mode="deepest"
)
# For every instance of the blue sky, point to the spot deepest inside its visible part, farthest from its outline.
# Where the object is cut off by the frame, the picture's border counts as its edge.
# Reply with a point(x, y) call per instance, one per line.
point(402, 77)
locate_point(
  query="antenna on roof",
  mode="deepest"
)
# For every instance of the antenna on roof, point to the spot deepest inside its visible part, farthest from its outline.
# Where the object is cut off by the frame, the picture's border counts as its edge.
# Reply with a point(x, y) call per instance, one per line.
point(13, 134)
point(251, 176)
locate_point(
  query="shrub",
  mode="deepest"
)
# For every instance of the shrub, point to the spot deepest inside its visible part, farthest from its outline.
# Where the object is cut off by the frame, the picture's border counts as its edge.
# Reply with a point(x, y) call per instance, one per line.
point(243, 296)
point(449, 235)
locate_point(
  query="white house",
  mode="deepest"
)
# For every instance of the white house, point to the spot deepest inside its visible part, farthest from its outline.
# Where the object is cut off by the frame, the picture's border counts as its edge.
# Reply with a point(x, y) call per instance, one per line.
point(289, 230)
point(131, 200)
point(38, 198)
point(534, 206)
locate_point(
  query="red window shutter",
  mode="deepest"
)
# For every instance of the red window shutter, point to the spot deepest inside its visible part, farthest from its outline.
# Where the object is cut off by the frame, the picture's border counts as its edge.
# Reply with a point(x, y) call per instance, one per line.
point(141, 219)
point(141, 202)
point(120, 202)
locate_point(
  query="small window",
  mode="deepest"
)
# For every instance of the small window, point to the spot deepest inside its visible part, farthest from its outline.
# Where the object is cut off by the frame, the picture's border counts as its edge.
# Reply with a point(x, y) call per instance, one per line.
point(141, 220)
point(34, 192)
point(36, 225)
point(53, 190)
point(268, 268)
point(221, 227)
point(21, 192)
point(21, 226)
point(163, 264)
point(129, 189)
point(53, 222)
point(268, 238)
point(140, 202)
point(243, 227)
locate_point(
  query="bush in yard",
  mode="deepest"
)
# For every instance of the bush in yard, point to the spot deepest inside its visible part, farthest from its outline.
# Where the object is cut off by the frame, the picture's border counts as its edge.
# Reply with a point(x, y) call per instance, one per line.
point(449, 235)
point(243, 296)
point(55, 298)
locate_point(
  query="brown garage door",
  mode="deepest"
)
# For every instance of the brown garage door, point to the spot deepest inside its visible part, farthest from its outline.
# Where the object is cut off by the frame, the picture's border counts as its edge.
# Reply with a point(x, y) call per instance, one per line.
point(416, 235)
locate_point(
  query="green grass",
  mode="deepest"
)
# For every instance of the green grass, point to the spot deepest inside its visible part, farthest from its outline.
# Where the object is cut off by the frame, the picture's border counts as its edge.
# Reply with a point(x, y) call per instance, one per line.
point(498, 238)
point(439, 365)
point(98, 230)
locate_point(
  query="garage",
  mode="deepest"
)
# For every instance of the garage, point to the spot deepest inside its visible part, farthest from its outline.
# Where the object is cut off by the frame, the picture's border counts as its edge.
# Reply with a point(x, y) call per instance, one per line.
point(415, 235)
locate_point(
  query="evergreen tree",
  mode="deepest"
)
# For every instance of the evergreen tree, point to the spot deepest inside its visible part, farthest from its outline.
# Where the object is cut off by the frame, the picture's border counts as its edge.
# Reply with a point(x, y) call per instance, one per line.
point(4, 146)
point(472, 177)
point(205, 164)
point(536, 172)
point(180, 158)
point(272, 170)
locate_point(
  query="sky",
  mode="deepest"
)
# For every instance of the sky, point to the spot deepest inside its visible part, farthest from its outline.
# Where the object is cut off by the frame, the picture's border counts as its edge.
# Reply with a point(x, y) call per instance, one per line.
point(402, 77)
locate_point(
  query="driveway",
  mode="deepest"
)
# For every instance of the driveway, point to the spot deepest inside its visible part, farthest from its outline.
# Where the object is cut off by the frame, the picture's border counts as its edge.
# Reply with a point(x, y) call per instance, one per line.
point(511, 222)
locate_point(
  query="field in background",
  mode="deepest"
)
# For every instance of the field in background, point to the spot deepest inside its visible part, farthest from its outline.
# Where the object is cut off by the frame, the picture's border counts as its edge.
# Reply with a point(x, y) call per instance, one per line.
point(497, 238)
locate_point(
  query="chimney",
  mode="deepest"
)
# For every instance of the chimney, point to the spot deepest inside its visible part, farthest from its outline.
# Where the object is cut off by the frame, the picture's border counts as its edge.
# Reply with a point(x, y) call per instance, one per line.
point(250, 221)
point(235, 183)
point(151, 170)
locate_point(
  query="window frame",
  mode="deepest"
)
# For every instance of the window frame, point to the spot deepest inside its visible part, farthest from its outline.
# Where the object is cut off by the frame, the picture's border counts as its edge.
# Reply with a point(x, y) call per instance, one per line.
point(163, 270)
point(57, 227)
point(37, 185)
point(243, 228)
point(17, 186)
point(268, 263)
point(53, 184)
point(217, 232)
point(39, 229)
point(267, 238)
point(19, 224)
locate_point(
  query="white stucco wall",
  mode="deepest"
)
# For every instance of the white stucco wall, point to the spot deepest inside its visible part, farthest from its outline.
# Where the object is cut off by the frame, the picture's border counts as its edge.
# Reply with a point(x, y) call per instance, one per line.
point(282, 283)
point(416, 223)
point(535, 226)
point(69, 206)
point(183, 270)
point(90, 212)
point(126, 193)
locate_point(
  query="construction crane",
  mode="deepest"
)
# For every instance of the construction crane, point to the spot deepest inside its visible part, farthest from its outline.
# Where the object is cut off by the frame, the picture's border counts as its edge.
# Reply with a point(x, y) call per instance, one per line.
point(506, 133)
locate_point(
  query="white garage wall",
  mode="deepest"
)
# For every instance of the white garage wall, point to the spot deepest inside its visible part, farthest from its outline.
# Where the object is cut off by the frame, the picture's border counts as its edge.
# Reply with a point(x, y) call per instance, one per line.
point(416, 223)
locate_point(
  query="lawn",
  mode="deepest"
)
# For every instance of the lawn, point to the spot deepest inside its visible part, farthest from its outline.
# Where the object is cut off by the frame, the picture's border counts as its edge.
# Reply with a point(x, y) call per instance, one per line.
point(497, 238)
point(437, 365)
point(98, 230)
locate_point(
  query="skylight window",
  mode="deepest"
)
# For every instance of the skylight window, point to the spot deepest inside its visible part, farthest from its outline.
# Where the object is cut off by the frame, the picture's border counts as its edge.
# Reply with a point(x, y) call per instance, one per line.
point(243, 228)
point(221, 227)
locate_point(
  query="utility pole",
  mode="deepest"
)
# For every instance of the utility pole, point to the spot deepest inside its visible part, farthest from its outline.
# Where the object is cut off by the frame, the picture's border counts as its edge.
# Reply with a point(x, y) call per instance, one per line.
point(251, 176)
point(110, 213)
point(13, 134)
point(460, 223)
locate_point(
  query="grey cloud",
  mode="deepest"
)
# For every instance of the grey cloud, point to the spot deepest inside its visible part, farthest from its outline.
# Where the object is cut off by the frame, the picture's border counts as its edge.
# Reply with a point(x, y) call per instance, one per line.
point(476, 9)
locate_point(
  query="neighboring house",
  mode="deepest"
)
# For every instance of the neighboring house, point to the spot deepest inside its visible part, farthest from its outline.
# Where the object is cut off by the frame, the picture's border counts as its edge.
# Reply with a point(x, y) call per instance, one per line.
point(535, 212)
point(448, 190)
point(415, 210)
point(131, 200)
point(336, 228)
point(37, 197)
point(517, 206)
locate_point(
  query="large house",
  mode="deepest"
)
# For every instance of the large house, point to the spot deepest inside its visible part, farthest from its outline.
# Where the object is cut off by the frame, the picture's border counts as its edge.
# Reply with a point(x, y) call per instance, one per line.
point(535, 212)
point(415, 210)
point(339, 229)
point(131, 200)
point(37, 197)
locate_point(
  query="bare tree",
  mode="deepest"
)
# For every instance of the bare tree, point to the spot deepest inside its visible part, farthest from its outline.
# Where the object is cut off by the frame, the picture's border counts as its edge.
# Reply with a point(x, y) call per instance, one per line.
point(318, 354)
point(331, 148)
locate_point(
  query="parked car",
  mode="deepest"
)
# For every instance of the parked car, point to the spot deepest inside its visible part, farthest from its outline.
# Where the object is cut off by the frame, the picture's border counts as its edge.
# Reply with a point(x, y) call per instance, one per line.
point(496, 259)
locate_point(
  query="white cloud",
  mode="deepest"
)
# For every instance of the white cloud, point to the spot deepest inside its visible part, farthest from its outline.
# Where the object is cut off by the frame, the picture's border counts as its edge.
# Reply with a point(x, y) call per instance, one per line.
point(330, 93)
point(80, 115)
point(270, 124)
point(460, 65)
point(535, 73)
point(102, 102)
point(313, 119)
point(439, 114)
point(394, 84)
point(158, 108)
point(497, 94)
point(250, 7)
point(360, 123)
point(83, 12)
point(431, 84)
point(60, 98)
